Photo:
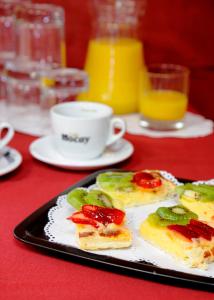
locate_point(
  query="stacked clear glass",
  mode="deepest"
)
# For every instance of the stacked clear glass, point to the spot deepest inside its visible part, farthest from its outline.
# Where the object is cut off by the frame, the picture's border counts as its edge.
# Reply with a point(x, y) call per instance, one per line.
point(8, 28)
point(61, 85)
point(39, 46)
point(40, 34)
point(7, 44)
point(23, 92)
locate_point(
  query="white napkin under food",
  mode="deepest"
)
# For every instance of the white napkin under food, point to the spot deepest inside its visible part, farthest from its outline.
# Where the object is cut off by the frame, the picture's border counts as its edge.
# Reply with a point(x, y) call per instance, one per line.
point(194, 126)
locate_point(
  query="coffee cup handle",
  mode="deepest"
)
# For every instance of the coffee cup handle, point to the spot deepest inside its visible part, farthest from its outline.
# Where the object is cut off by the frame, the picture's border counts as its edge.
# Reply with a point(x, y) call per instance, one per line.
point(113, 137)
point(9, 135)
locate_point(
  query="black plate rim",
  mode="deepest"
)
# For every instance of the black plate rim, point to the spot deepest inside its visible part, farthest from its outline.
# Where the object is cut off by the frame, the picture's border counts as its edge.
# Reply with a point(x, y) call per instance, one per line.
point(22, 234)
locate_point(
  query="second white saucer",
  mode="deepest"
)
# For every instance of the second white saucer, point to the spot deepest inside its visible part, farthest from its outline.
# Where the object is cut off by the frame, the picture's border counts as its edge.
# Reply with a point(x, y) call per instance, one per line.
point(43, 150)
point(10, 159)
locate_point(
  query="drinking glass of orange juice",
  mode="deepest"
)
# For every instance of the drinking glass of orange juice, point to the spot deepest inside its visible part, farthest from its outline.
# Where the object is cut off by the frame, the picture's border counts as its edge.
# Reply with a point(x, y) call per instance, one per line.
point(164, 97)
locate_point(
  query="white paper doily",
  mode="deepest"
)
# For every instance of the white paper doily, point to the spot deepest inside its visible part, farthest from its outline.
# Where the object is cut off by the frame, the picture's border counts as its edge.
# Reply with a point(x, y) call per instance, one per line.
point(29, 120)
point(194, 126)
point(36, 122)
point(62, 231)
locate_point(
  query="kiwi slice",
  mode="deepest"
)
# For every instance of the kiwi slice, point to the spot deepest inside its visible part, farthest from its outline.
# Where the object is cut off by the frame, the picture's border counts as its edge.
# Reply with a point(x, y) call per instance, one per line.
point(79, 197)
point(176, 214)
point(206, 187)
point(206, 191)
point(97, 197)
point(155, 220)
point(180, 189)
point(76, 198)
point(201, 192)
point(116, 181)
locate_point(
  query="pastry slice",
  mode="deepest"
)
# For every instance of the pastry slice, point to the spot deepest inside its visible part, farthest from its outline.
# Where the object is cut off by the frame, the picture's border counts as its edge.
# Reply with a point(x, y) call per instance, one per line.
point(199, 199)
point(177, 231)
point(101, 228)
point(129, 189)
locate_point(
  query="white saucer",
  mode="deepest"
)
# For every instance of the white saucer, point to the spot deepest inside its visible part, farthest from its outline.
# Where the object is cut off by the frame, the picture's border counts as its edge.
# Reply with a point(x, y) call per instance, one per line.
point(43, 150)
point(10, 159)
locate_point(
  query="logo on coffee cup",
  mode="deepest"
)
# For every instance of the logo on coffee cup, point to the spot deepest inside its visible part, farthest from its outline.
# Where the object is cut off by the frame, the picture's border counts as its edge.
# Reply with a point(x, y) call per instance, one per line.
point(74, 138)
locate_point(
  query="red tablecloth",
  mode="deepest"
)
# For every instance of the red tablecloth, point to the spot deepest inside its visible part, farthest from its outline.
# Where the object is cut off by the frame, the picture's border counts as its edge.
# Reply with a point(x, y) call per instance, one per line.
point(26, 273)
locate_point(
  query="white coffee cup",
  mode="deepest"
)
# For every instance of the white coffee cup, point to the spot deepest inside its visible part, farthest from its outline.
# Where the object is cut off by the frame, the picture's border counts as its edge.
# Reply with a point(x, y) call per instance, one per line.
point(8, 136)
point(84, 129)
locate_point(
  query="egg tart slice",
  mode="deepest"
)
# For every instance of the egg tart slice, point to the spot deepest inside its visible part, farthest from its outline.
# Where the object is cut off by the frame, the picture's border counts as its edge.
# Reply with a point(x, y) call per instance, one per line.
point(177, 231)
point(128, 189)
point(101, 228)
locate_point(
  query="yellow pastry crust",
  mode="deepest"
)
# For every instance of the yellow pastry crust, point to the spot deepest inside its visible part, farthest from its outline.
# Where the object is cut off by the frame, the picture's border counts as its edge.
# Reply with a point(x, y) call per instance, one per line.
point(204, 210)
point(196, 253)
point(111, 236)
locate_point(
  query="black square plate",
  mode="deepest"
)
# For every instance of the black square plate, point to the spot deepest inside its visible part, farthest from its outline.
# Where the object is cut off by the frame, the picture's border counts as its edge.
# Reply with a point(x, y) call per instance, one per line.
point(31, 231)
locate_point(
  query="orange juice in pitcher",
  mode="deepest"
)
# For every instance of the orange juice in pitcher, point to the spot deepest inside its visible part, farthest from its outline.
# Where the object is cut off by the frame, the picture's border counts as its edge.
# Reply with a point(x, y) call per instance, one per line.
point(114, 59)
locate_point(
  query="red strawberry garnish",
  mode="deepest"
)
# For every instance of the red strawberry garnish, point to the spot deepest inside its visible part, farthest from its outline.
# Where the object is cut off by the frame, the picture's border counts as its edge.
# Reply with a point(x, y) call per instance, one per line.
point(184, 230)
point(103, 215)
point(146, 180)
point(93, 215)
point(203, 229)
point(195, 229)
point(79, 218)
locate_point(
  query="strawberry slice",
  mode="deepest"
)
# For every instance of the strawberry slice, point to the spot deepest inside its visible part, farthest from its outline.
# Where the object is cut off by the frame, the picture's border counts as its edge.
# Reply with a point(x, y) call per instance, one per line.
point(185, 231)
point(202, 229)
point(195, 229)
point(79, 218)
point(103, 215)
point(202, 233)
point(146, 180)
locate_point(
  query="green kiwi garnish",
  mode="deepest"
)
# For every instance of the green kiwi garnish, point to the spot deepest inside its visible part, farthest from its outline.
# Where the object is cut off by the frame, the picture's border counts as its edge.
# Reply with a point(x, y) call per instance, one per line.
point(97, 197)
point(116, 181)
point(165, 216)
point(76, 198)
point(201, 192)
point(176, 214)
point(79, 197)
point(155, 220)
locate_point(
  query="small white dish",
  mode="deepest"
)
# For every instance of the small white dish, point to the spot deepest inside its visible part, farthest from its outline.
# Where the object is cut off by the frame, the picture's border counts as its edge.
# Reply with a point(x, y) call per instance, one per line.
point(43, 150)
point(10, 159)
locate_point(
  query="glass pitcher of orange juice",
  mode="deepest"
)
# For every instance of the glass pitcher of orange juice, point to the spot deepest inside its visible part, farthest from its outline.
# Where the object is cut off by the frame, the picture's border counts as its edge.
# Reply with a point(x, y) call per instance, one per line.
point(115, 55)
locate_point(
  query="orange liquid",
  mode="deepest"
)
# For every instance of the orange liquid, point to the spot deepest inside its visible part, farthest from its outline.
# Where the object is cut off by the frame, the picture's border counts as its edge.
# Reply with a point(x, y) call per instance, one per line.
point(114, 68)
point(163, 105)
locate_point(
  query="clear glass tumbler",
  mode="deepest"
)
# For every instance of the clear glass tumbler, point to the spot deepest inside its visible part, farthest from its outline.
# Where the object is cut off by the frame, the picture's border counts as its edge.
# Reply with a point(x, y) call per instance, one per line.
point(164, 98)
point(7, 28)
point(7, 31)
point(61, 85)
point(40, 34)
point(23, 93)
